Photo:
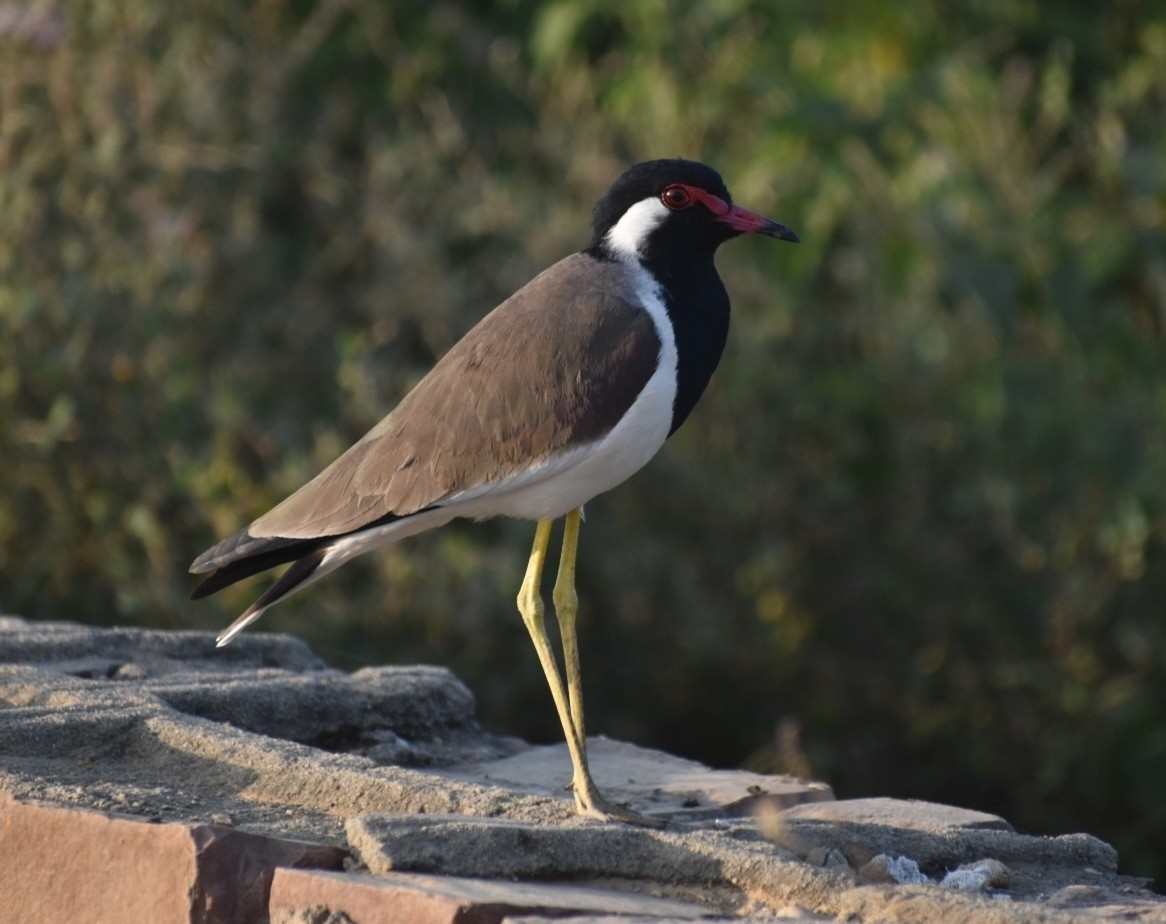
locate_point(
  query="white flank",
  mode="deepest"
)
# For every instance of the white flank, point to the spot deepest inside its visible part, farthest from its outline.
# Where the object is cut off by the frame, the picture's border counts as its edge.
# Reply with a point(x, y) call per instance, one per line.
point(570, 479)
point(628, 235)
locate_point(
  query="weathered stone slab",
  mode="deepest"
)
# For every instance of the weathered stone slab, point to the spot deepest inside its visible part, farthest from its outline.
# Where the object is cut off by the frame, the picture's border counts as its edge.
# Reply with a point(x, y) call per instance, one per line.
point(501, 848)
point(914, 814)
point(734, 858)
point(165, 724)
point(937, 837)
point(272, 685)
point(67, 865)
point(648, 781)
point(98, 653)
point(404, 898)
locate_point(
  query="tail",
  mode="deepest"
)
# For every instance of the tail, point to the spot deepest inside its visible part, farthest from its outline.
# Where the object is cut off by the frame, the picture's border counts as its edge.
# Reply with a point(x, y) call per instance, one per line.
point(295, 577)
point(242, 555)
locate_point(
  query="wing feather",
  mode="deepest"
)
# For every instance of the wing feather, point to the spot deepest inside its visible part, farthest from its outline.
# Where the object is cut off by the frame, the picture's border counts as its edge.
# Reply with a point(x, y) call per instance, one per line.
point(554, 366)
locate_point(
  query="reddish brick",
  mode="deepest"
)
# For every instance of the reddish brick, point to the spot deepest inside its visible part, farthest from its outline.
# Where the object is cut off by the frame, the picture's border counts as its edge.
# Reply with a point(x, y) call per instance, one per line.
point(67, 865)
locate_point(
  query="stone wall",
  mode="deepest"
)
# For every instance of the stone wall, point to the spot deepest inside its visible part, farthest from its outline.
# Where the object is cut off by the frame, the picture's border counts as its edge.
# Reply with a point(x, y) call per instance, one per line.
point(148, 776)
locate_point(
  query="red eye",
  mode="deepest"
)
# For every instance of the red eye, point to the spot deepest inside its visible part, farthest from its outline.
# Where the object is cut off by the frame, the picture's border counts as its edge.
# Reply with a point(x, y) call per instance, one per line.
point(676, 197)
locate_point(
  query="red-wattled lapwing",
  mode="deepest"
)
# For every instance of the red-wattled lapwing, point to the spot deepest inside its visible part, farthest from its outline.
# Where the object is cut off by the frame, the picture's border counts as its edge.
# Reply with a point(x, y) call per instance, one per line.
point(559, 394)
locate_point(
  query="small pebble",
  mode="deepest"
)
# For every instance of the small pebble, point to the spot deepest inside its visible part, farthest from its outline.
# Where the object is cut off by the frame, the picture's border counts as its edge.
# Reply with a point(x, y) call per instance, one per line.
point(901, 870)
point(981, 876)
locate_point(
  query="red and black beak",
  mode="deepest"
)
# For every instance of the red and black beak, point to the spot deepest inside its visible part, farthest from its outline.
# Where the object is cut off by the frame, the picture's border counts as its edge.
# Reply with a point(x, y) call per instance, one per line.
point(747, 222)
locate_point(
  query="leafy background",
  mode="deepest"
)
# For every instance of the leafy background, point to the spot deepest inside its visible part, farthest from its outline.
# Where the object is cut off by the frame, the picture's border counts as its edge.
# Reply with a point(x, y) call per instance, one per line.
point(913, 541)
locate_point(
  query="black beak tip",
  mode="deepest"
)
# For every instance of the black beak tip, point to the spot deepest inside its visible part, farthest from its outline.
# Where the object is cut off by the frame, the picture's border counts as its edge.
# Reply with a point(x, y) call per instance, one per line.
point(782, 233)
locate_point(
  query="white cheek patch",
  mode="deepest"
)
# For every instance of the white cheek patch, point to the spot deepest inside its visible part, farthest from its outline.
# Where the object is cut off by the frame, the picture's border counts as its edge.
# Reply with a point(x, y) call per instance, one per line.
point(628, 236)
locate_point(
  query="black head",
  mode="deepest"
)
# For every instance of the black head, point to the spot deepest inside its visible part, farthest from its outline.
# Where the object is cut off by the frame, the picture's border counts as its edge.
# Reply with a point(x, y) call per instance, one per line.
point(679, 209)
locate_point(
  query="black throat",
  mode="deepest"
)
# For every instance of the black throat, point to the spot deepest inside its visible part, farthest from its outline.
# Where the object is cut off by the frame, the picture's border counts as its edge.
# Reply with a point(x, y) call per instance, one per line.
point(698, 307)
point(679, 255)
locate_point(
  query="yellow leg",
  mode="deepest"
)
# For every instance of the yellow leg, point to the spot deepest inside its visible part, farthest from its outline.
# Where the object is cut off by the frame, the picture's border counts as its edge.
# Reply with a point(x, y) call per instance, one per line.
point(568, 701)
point(566, 609)
point(530, 605)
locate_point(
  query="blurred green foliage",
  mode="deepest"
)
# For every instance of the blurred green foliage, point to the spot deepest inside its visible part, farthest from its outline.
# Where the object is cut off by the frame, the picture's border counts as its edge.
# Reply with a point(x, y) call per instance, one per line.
point(919, 520)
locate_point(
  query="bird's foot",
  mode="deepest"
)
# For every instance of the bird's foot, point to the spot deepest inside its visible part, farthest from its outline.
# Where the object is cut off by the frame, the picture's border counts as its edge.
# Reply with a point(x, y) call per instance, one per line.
point(590, 804)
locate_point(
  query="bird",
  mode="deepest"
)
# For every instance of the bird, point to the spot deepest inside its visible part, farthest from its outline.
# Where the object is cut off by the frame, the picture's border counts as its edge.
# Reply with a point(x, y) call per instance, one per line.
point(559, 394)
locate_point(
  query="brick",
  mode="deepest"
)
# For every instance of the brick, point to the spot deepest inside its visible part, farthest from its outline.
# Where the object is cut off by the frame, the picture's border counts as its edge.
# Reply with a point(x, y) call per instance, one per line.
point(68, 865)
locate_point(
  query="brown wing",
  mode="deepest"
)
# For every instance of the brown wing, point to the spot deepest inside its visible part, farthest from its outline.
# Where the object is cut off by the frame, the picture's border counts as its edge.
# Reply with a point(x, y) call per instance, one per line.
point(554, 366)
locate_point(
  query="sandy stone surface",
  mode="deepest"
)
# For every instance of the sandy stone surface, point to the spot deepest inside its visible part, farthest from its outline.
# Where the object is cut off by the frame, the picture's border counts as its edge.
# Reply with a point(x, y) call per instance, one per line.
point(652, 782)
point(445, 899)
point(254, 783)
